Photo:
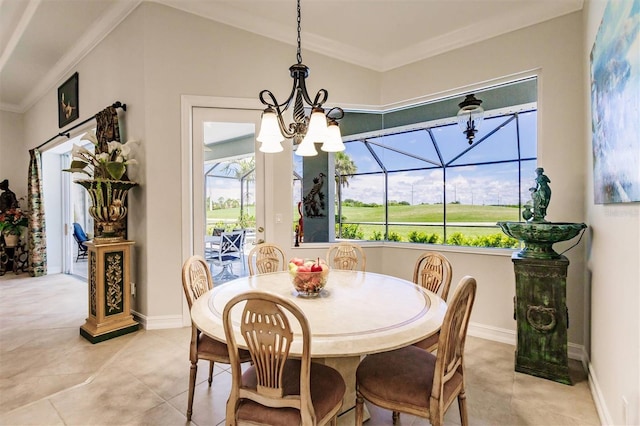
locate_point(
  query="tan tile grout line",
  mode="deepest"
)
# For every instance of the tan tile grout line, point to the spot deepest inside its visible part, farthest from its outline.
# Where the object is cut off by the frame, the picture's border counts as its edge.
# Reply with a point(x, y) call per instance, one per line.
point(87, 381)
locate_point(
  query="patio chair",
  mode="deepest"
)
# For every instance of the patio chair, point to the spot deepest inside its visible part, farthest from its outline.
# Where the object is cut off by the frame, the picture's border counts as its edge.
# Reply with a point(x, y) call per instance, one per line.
point(230, 250)
point(81, 238)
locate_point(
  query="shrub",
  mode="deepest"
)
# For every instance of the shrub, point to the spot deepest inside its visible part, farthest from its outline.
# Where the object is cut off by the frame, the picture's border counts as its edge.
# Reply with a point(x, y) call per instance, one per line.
point(493, 240)
point(377, 236)
point(422, 237)
point(456, 239)
point(352, 231)
point(394, 236)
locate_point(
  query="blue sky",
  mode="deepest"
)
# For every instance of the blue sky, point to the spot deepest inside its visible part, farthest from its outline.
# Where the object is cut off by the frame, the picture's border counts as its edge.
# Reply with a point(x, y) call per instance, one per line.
point(477, 184)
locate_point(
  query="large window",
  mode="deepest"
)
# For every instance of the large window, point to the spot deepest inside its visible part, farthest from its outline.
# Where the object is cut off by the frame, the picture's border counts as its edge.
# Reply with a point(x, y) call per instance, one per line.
point(425, 183)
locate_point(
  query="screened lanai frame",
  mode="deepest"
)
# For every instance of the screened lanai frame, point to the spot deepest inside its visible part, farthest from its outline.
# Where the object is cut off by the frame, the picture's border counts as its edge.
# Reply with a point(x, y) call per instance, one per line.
point(448, 152)
point(230, 170)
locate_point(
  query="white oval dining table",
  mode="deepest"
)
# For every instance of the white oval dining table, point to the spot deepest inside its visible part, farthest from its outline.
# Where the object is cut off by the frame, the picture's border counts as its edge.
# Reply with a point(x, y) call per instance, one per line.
point(357, 313)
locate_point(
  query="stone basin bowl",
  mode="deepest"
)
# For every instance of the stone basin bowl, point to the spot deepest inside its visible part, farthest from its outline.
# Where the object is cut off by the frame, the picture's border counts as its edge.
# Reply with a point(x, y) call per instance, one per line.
point(539, 237)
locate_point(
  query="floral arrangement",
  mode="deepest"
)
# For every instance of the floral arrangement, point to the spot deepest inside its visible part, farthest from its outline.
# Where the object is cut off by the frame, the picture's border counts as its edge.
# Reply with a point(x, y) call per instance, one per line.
point(105, 165)
point(12, 221)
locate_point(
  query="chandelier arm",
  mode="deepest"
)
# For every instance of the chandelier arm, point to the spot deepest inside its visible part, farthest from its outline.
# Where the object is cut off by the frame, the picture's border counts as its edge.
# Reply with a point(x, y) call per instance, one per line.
point(274, 103)
point(288, 133)
point(320, 101)
point(276, 106)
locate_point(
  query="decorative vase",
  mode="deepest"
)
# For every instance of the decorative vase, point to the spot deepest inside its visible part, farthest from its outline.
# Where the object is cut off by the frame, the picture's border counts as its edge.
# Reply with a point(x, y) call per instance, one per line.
point(108, 205)
point(11, 240)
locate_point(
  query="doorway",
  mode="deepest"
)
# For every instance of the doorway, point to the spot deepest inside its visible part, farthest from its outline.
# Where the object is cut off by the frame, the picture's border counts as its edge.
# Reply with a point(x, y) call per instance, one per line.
point(228, 184)
point(66, 203)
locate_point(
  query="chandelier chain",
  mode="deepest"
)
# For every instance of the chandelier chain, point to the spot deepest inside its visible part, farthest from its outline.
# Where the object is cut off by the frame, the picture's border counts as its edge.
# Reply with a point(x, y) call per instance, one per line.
point(299, 53)
point(305, 130)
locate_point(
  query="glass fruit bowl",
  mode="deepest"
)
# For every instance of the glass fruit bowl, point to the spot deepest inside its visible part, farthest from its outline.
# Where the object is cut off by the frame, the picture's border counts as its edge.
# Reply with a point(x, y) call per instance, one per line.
point(308, 276)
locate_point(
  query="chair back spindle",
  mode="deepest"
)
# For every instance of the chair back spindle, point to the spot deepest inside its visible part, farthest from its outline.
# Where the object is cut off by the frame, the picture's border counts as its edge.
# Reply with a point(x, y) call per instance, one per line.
point(266, 258)
point(433, 272)
point(346, 256)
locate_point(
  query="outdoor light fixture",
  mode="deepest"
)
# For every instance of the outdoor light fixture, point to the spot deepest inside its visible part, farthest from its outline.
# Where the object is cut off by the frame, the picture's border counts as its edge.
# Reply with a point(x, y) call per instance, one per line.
point(470, 116)
point(305, 131)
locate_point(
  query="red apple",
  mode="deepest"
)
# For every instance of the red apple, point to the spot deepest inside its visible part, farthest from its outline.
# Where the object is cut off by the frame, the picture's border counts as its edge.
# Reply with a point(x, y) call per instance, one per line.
point(296, 260)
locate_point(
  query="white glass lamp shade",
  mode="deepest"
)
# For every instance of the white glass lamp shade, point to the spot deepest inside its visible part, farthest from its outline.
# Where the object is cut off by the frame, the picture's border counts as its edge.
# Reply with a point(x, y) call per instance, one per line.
point(333, 141)
point(470, 116)
point(307, 148)
point(270, 135)
point(317, 130)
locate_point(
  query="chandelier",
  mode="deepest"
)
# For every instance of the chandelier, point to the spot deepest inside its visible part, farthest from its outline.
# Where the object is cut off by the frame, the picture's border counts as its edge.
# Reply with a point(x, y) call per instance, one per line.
point(470, 116)
point(304, 131)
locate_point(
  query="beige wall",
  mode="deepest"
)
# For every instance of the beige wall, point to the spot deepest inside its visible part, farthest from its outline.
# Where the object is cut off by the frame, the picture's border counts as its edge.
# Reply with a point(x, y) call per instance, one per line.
point(14, 159)
point(613, 265)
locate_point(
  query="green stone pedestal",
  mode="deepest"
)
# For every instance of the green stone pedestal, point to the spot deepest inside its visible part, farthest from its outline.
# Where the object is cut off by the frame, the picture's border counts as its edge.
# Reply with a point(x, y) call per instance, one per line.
point(542, 317)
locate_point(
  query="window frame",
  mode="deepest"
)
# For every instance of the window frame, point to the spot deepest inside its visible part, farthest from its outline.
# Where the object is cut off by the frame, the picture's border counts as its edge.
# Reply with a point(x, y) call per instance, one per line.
point(510, 113)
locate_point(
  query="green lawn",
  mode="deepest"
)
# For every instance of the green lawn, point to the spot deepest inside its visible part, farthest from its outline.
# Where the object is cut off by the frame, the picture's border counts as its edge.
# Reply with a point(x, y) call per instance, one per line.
point(414, 216)
point(431, 213)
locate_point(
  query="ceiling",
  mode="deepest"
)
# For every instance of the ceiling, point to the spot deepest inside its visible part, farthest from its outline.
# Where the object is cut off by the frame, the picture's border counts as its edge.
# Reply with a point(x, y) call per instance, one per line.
point(41, 41)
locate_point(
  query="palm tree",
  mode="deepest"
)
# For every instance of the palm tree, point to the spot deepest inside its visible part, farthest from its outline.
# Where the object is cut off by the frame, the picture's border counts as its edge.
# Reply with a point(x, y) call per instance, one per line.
point(243, 170)
point(344, 169)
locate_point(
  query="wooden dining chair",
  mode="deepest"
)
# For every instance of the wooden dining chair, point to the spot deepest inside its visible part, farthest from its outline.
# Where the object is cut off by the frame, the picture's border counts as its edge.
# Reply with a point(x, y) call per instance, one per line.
point(433, 272)
point(265, 258)
point(346, 256)
point(417, 382)
point(277, 389)
point(196, 281)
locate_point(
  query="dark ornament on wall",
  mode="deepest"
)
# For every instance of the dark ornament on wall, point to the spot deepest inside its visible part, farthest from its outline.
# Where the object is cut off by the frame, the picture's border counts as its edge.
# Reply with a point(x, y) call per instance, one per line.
point(68, 101)
point(314, 204)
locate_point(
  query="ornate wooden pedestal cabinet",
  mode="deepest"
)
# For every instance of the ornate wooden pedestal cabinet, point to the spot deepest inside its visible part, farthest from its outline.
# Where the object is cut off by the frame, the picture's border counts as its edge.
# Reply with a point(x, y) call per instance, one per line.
point(109, 291)
point(542, 317)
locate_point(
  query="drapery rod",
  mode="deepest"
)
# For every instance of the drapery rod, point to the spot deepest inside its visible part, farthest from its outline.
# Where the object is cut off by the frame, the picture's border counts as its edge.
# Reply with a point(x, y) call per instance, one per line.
point(116, 104)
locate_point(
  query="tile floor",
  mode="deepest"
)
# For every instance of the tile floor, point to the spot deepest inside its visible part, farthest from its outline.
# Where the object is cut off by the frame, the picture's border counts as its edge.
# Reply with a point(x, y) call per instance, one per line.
point(49, 375)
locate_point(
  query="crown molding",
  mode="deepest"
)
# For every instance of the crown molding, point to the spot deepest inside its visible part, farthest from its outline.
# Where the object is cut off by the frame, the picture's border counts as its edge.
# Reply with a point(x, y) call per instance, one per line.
point(424, 49)
point(83, 46)
point(18, 31)
point(477, 32)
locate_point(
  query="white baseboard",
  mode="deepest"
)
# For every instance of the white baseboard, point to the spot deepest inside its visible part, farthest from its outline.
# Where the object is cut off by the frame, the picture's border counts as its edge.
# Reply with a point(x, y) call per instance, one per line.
point(503, 335)
point(158, 322)
point(54, 269)
point(495, 334)
point(598, 399)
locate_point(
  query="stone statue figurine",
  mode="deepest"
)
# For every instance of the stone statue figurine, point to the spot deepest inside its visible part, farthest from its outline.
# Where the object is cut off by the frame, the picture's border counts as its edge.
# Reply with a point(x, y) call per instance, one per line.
point(8, 198)
point(540, 196)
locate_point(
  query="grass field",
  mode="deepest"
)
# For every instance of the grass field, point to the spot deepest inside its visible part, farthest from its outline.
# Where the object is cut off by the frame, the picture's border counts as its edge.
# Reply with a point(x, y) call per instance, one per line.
point(422, 219)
